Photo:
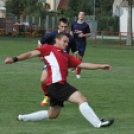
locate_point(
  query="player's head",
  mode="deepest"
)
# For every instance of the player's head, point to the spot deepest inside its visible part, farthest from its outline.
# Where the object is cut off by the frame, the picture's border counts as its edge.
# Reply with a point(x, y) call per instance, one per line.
point(81, 15)
point(62, 40)
point(63, 25)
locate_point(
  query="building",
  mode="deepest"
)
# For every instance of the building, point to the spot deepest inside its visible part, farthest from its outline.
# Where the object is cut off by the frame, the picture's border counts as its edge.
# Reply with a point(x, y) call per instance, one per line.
point(2, 9)
point(124, 16)
point(55, 5)
point(116, 4)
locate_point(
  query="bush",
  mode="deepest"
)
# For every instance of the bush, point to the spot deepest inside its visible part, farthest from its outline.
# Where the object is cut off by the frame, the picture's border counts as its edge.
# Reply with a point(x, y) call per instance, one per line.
point(41, 32)
point(106, 23)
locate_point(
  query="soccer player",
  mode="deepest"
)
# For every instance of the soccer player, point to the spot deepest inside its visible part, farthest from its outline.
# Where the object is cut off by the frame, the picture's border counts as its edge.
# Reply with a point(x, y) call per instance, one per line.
point(80, 31)
point(59, 90)
point(50, 39)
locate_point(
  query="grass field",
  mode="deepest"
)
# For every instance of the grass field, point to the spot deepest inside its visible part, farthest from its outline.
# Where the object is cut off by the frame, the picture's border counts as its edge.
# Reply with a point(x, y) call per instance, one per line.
point(110, 94)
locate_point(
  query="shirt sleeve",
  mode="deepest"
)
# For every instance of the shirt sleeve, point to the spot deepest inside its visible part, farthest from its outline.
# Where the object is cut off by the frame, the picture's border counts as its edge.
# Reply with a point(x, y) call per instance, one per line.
point(87, 30)
point(73, 62)
point(44, 50)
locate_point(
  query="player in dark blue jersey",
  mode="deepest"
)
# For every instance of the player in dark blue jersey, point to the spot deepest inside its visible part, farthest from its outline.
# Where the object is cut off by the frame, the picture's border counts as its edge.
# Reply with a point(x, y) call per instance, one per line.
point(50, 39)
point(80, 31)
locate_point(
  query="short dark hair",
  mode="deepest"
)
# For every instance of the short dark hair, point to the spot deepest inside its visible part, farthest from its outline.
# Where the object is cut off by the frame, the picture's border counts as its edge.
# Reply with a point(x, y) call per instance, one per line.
point(60, 35)
point(64, 20)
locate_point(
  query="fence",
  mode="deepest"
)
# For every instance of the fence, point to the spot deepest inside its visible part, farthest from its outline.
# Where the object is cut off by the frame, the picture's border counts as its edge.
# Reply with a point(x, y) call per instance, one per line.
point(50, 24)
point(104, 37)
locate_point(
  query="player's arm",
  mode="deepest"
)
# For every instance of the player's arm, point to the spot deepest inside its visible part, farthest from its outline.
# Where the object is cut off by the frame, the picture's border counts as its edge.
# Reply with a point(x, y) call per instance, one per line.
point(23, 56)
point(86, 32)
point(86, 35)
point(71, 33)
point(92, 66)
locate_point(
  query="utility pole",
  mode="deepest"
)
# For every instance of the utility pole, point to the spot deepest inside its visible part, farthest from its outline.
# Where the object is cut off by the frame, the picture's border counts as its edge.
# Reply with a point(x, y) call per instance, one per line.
point(94, 9)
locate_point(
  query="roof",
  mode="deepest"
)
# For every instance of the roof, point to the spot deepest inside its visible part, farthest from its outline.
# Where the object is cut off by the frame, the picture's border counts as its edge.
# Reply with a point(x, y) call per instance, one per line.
point(124, 4)
point(62, 4)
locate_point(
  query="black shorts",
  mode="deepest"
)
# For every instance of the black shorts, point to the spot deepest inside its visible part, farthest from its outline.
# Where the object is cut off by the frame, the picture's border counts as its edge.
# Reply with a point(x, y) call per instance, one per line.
point(59, 93)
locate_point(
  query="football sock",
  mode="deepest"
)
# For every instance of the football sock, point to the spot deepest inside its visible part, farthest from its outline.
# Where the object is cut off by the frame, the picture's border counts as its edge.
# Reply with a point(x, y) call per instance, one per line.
point(78, 70)
point(44, 88)
point(89, 114)
point(36, 116)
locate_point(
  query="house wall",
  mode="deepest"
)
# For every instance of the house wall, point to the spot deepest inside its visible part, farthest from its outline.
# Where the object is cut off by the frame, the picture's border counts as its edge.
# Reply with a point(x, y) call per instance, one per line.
point(123, 20)
point(54, 4)
point(116, 4)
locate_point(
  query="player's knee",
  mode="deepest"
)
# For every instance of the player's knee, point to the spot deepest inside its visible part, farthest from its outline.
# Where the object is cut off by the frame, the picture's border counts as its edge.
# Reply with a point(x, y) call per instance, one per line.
point(83, 99)
point(43, 80)
point(43, 77)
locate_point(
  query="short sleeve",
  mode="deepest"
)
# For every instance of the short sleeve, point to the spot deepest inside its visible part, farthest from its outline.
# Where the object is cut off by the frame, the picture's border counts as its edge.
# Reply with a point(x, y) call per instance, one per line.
point(87, 30)
point(73, 62)
point(44, 50)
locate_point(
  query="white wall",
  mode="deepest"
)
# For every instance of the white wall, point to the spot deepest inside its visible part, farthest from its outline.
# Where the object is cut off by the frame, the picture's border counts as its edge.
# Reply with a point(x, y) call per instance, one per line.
point(54, 4)
point(123, 20)
point(116, 4)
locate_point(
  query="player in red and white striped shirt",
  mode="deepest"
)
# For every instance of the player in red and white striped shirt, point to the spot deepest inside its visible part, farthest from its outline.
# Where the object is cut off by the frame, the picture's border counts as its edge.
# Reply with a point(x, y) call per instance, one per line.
point(58, 89)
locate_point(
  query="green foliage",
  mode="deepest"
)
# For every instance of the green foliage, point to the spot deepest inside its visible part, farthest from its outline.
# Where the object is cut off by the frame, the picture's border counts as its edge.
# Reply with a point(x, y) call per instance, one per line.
point(104, 7)
point(16, 6)
point(105, 22)
point(75, 6)
point(130, 2)
point(31, 6)
point(24, 7)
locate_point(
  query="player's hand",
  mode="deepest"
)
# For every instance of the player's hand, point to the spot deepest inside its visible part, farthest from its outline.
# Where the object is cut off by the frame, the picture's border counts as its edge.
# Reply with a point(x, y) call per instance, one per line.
point(106, 67)
point(9, 61)
point(71, 33)
point(81, 35)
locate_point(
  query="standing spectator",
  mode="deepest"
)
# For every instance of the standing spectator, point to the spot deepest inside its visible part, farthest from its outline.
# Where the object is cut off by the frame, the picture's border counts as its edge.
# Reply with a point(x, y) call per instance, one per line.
point(80, 31)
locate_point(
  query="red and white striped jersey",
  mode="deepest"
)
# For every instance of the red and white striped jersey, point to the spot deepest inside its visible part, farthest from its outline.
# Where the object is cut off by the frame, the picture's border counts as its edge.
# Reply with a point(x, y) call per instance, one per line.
point(57, 62)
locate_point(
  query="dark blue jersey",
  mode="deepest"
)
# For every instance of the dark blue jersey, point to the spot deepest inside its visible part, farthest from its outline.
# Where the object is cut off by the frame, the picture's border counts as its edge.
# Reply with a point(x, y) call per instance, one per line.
point(50, 39)
point(78, 28)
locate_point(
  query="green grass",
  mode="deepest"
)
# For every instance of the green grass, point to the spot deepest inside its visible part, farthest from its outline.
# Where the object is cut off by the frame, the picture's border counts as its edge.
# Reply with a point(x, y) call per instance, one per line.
point(110, 94)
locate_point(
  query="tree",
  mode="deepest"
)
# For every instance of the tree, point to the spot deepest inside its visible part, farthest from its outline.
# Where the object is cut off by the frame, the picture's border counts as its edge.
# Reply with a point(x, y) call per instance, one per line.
point(129, 23)
point(74, 6)
point(103, 7)
point(16, 7)
point(25, 7)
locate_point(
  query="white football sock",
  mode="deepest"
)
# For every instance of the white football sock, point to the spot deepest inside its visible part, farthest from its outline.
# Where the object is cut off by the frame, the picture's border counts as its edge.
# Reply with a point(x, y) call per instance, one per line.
point(36, 116)
point(89, 114)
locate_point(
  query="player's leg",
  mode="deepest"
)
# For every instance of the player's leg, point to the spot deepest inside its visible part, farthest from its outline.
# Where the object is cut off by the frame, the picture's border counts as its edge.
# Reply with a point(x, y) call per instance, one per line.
point(78, 70)
point(87, 111)
point(81, 50)
point(35, 116)
point(43, 78)
point(52, 113)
